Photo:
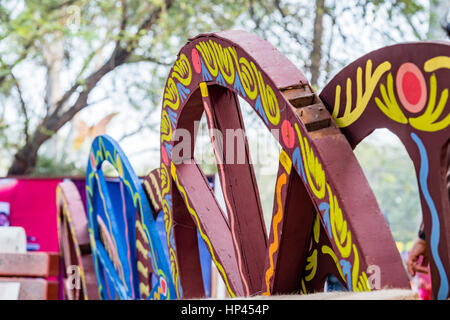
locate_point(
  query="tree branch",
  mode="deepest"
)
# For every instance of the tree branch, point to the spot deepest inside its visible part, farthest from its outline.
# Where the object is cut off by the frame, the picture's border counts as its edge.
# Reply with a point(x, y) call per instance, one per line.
point(142, 125)
point(25, 159)
point(139, 58)
point(123, 21)
point(413, 27)
point(119, 56)
point(23, 108)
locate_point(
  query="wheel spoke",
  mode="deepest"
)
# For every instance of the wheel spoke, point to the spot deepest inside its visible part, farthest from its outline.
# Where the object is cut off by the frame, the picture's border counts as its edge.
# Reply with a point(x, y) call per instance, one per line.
point(238, 181)
point(292, 220)
point(110, 270)
point(200, 204)
point(109, 218)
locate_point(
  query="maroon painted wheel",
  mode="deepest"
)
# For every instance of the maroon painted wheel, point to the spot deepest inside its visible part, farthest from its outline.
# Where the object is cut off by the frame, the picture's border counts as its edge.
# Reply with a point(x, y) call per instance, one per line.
point(405, 90)
point(74, 245)
point(318, 172)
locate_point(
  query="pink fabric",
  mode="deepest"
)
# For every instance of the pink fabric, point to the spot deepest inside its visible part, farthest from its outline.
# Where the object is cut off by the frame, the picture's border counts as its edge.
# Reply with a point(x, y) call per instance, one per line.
point(425, 284)
point(33, 207)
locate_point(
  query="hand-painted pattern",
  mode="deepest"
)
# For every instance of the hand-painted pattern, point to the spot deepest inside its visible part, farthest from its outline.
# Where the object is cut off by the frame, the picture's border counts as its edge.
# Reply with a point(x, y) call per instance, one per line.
point(217, 61)
point(121, 226)
point(225, 65)
point(411, 91)
point(413, 100)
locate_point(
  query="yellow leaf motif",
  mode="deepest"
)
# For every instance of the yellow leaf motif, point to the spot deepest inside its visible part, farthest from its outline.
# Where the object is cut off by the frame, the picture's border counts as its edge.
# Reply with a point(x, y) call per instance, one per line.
point(209, 58)
point(316, 228)
point(439, 62)
point(311, 264)
point(327, 250)
point(339, 226)
point(144, 289)
point(427, 120)
point(360, 281)
point(246, 75)
point(268, 99)
point(143, 270)
point(390, 106)
point(225, 62)
point(362, 96)
point(313, 168)
point(165, 180)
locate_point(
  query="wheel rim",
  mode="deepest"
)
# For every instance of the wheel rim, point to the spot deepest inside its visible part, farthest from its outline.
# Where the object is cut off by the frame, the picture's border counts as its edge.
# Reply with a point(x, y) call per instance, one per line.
point(74, 242)
point(115, 257)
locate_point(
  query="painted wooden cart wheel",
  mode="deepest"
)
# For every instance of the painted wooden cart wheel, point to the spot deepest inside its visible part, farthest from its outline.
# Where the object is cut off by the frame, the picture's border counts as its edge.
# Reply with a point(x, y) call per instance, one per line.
point(318, 172)
point(152, 187)
point(78, 269)
point(121, 228)
point(405, 89)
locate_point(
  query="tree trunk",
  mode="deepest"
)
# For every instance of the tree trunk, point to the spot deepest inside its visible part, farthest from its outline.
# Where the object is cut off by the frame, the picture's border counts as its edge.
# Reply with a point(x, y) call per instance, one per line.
point(316, 53)
point(26, 158)
point(53, 52)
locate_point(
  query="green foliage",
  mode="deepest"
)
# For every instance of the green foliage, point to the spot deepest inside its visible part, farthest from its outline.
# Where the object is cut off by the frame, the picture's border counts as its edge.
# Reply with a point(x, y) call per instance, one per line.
point(47, 166)
point(90, 31)
point(391, 176)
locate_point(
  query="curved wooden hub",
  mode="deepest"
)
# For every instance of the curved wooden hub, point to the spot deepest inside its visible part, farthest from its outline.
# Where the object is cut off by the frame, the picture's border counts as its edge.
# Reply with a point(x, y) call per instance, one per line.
point(317, 173)
point(74, 245)
point(125, 243)
point(405, 88)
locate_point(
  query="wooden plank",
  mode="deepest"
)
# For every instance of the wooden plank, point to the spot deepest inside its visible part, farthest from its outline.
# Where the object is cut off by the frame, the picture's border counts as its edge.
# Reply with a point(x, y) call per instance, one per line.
point(186, 241)
point(13, 240)
point(239, 185)
point(299, 96)
point(30, 264)
point(9, 290)
point(314, 117)
point(211, 222)
point(34, 289)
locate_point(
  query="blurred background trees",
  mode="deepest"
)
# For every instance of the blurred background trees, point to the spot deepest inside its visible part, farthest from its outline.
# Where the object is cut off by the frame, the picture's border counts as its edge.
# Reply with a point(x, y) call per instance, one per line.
point(68, 48)
point(72, 68)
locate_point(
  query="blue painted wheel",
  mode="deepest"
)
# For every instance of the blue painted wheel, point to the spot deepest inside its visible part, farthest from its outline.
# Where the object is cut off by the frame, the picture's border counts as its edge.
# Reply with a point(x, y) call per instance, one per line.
point(114, 210)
